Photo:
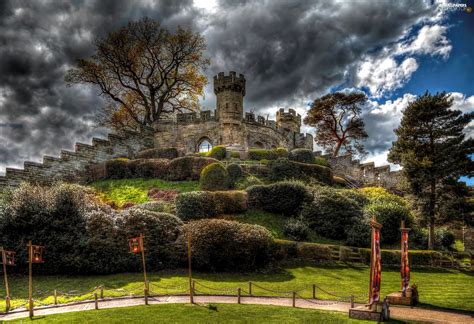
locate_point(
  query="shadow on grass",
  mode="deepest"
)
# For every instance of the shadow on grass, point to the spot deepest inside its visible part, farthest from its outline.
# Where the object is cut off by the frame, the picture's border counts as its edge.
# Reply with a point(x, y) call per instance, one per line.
point(445, 310)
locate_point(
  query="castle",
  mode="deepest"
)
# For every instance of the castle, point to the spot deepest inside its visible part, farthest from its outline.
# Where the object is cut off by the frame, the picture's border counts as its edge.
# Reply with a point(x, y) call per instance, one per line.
point(228, 125)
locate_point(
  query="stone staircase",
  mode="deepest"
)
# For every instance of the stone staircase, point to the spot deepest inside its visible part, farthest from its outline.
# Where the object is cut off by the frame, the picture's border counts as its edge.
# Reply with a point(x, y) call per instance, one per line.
point(345, 254)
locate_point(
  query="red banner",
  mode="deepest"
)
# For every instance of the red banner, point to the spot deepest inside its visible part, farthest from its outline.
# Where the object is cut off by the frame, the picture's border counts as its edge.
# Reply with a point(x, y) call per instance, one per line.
point(375, 264)
point(135, 244)
point(405, 269)
point(37, 254)
point(9, 258)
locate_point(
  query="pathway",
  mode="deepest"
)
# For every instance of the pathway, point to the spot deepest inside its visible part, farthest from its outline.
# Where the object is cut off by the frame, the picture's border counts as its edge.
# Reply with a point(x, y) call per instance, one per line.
point(396, 312)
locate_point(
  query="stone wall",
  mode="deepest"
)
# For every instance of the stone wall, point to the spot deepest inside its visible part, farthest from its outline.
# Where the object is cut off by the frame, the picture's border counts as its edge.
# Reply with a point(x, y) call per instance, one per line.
point(70, 165)
point(366, 174)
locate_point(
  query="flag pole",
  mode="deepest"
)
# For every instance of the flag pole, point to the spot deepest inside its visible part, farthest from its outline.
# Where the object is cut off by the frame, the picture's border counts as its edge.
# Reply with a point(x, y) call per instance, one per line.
point(30, 279)
point(5, 276)
point(191, 292)
point(143, 260)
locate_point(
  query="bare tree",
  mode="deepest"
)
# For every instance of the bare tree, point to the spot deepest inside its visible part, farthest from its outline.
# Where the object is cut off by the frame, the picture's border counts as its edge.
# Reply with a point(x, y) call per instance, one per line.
point(144, 71)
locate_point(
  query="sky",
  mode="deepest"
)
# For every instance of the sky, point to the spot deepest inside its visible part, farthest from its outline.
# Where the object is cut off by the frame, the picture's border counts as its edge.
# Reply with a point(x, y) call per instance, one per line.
point(290, 52)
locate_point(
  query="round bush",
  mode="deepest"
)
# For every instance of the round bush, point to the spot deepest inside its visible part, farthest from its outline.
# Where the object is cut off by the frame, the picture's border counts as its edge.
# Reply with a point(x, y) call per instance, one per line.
point(118, 169)
point(214, 177)
point(301, 155)
point(160, 230)
point(331, 214)
point(222, 245)
point(235, 172)
point(188, 167)
point(159, 153)
point(284, 169)
point(218, 152)
point(195, 205)
point(149, 168)
point(296, 229)
point(321, 161)
point(282, 197)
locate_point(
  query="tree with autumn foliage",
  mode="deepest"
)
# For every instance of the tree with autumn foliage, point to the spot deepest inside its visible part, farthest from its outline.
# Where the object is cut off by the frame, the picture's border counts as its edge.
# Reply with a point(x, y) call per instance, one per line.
point(434, 152)
point(144, 71)
point(338, 122)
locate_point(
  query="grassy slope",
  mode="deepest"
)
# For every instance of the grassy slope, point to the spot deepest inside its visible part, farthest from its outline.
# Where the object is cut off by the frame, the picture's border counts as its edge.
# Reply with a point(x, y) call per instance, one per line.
point(439, 288)
point(220, 313)
point(135, 190)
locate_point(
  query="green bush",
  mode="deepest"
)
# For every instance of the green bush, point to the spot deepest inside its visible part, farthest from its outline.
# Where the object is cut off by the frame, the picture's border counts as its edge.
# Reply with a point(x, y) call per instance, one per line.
point(248, 182)
point(235, 172)
point(149, 168)
point(218, 152)
point(214, 177)
point(301, 155)
point(159, 153)
point(296, 229)
point(443, 239)
point(188, 167)
point(379, 194)
point(281, 152)
point(160, 230)
point(222, 245)
point(118, 169)
point(262, 154)
point(284, 169)
point(331, 214)
point(235, 155)
point(205, 204)
point(313, 252)
point(282, 197)
point(321, 161)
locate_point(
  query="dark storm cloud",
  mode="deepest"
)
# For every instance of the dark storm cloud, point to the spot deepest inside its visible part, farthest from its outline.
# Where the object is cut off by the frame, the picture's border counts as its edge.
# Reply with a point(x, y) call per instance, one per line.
point(288, 50)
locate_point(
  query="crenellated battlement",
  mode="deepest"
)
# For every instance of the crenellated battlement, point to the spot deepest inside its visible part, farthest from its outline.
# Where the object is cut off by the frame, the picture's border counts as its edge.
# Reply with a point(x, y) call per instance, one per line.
point(231, 82)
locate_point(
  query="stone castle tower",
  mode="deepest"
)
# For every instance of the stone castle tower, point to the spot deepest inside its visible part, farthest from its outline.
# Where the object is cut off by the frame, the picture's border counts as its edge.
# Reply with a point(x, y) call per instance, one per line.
point(290, 121)
point(230, 92)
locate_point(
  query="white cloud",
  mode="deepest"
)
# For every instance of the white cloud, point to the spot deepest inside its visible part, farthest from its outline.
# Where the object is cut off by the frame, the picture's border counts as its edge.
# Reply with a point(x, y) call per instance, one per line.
point(431, 40)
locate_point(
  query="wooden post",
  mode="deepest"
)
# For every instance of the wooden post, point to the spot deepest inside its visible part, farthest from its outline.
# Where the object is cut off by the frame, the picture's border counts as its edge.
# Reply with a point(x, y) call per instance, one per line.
point(143, 260)
point(146, 296)
point(55, 297)
point(5, 277)
point(101, 292)
point(96, 301)
point(352, 301)
point(30, 279)
point(294, 299)
point(250, 288)
point(194, 287)
point(191, 292)
point(238, 295)
point(314, 291)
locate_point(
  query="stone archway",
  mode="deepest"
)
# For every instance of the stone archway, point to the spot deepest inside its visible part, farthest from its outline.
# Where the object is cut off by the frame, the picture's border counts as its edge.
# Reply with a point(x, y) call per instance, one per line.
point(204, 145)
point(258, 144)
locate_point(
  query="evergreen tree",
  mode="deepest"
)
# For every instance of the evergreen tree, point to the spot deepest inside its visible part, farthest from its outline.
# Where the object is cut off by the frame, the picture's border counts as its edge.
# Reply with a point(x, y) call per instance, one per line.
point(433, 150)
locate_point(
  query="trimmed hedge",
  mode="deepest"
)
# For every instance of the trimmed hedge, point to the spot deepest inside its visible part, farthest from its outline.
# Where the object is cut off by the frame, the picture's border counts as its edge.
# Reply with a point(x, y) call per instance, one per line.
point(217, 152)
point(222, 245)
point(214, 177)
point(296, 229)
point(206, 204)
point(235, 172)
point(321, 161)
point(262, 154)
point(301, 155)
point(284, 169)
point(159, 153)
point(282, 197)
point(188, 167)
point(149, 168)
point(118, 169)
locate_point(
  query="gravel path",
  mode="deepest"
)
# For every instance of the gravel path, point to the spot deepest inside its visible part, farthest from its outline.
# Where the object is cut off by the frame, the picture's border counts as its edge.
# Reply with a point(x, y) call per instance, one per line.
point(396, 312)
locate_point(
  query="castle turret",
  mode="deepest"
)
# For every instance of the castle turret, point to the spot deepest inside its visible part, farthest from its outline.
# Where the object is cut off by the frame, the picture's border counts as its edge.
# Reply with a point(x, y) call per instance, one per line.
point(230, 92)
point(288, 120)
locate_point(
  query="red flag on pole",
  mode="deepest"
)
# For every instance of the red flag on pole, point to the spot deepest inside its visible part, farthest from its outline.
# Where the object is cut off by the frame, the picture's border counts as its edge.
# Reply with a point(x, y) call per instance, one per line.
point(135, 244)
point(405, 268)
point(37, 254)
point(375, 264)
point(9, 258)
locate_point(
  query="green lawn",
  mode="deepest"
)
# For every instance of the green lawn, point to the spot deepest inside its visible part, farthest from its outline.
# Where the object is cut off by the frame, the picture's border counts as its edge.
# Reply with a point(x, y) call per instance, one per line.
point(135, 190)
point(215, 313)
point(437, 287)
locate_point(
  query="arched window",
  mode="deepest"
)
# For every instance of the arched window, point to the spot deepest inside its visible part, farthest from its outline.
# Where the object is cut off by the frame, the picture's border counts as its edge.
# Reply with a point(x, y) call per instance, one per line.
point(204, 146)
point(259, 145)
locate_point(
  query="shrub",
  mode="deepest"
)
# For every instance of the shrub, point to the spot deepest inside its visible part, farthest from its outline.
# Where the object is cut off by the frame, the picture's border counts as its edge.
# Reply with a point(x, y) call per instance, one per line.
point(321, 161)
point(227, 245)
point(262, 154)
point(195, 205)
point(118, 169)
point(379, 194)
point(284, 169)
point(390, 215)
point(218, 152)
point(301, 155)
point(154, 206)
point(160, 230)
point(296, 229)
point(235, 155)
point(443, 239)
point(214, 177)
point(282, 197)
point(248, 182)
point(331, 214)
point(149, 168)
point(188, 167)
point(159, 153)
point(205, 204)
point(359, 197)
point(358, 234)
point(235, 172)
point(281, 152)
point(313, 252)
point(162, 194)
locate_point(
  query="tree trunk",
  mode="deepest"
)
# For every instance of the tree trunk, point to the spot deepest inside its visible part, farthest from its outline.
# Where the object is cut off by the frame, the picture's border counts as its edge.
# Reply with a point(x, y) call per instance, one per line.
point(337, 149)
point(431, 236)
point(431, 221)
